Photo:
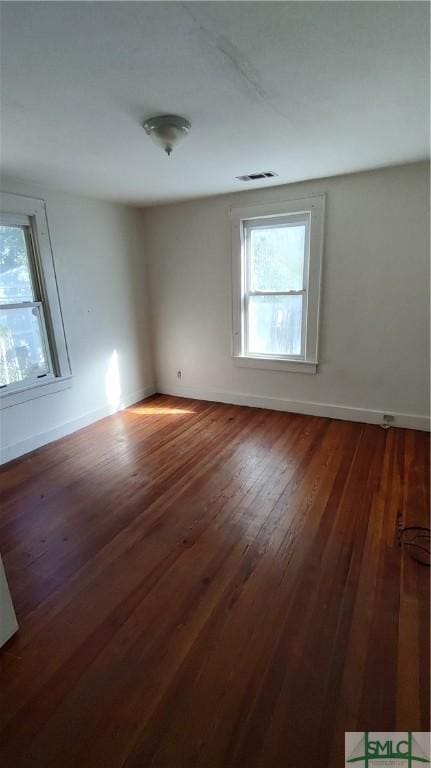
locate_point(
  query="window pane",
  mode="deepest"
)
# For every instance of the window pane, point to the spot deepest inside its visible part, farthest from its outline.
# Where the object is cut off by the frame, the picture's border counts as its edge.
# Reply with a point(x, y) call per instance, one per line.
point(15, 275)
point(274, 325)
point(277, 258)
point(22, 353)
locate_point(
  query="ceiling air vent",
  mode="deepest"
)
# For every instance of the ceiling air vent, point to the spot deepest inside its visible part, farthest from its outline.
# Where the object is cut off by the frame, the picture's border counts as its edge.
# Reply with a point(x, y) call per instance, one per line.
point(257, 176)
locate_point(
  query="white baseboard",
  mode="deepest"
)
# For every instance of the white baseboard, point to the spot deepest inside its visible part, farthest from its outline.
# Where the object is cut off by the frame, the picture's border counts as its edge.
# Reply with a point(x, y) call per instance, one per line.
point(347, 413)
point(10, 452)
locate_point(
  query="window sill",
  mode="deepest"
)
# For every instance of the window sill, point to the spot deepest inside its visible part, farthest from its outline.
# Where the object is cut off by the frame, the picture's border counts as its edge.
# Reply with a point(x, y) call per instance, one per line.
point(33, 390)
point(275, 364)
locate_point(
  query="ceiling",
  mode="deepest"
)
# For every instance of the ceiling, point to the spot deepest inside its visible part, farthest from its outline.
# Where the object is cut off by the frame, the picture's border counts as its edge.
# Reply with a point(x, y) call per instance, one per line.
point(305, 89)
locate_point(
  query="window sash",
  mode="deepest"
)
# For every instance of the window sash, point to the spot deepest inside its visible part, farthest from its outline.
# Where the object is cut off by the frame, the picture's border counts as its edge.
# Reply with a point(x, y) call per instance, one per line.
point(276, 221)
point(276, 355)
point(14, 220)
point(39, 303)
point(276, 293)
point(49, 374)
point(24, 223)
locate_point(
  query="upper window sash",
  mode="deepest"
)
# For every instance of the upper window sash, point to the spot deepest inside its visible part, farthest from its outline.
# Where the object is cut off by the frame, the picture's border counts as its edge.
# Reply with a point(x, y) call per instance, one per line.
point(276, 221)
point(25, 226)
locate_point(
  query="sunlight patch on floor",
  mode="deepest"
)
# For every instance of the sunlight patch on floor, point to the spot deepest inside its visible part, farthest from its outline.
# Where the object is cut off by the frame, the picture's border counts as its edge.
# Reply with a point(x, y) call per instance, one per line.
point(148, 410)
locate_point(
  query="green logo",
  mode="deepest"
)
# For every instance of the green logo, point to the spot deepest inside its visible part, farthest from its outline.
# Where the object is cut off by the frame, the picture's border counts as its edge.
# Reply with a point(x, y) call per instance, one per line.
point(396, 749)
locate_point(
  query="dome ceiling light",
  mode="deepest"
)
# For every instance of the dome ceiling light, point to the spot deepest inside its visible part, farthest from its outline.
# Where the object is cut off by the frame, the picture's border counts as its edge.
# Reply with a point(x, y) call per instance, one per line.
point(167, 130)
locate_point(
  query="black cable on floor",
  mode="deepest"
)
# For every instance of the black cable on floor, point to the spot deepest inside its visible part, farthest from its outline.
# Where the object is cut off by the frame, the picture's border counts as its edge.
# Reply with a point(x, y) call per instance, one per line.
point(410, 536)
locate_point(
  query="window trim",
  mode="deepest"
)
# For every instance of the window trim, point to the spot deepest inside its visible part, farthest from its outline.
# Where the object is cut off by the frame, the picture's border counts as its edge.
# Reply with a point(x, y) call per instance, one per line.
point(314, 207)
point(30, 211)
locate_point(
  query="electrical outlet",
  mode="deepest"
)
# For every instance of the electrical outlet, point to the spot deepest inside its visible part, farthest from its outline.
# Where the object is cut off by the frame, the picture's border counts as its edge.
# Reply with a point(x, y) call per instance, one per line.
point(388, 421)
point(179, 374)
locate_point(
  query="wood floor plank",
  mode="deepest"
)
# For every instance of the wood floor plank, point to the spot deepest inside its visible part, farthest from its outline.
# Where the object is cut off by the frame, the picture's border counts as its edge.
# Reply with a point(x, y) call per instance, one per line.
point(208, 585)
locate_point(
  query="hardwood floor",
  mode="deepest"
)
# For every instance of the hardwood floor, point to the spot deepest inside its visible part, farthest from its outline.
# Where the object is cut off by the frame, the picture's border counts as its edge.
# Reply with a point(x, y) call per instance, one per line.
point(209, 585)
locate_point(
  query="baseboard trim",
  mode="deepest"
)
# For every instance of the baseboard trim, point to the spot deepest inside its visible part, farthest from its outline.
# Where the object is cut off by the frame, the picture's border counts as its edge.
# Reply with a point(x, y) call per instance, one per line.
point(10, 452)
point(344, 412)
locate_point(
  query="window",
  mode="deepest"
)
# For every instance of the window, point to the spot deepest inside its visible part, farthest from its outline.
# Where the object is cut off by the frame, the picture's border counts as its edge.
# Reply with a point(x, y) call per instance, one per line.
point(276, 269)
point(24, 349)
point(32, 344)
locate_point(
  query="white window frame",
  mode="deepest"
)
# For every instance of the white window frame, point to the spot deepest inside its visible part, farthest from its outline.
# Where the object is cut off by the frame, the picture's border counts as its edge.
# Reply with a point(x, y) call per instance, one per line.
point(309, 210)
point(31, 213)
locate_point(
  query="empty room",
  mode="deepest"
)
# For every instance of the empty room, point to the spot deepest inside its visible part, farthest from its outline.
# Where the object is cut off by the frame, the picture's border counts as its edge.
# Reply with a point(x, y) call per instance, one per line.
point(214, 384)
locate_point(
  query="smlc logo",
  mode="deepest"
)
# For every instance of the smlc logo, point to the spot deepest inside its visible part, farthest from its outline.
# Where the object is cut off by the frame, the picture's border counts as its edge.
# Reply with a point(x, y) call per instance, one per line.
point(401, 749)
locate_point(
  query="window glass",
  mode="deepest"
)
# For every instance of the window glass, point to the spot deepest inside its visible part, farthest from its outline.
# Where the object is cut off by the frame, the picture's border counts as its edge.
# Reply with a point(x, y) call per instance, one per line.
point(274, 325)
point(15, 275)
point(22, 350)
point(277, 258)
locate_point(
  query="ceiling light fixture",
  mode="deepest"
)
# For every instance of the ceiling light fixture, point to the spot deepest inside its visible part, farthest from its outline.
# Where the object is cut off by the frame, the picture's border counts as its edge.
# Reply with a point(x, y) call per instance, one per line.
point(167, 130)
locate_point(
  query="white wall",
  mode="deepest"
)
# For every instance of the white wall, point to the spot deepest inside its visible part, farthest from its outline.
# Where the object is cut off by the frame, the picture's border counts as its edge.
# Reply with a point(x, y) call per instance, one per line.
point(374, 339)
point(374, 332)
point(101, 272)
